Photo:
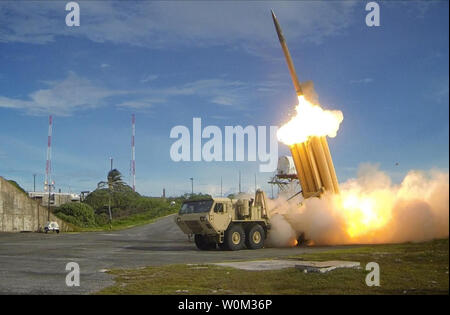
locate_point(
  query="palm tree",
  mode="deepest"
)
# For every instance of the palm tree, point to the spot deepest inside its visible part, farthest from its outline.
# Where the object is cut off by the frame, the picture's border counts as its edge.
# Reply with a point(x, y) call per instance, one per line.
point(114, 182)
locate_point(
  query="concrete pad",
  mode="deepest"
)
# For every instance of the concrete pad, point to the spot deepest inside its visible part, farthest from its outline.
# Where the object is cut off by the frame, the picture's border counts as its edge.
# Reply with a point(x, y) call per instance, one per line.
point(258, 265)
point(325, 266)
point(277, 264)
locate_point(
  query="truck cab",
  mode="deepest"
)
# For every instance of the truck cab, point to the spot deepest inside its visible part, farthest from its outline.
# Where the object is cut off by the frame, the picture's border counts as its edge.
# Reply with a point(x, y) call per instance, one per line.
point(231, 224)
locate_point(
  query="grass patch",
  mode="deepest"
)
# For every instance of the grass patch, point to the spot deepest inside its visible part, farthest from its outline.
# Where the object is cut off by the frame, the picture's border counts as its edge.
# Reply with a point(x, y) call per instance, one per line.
point(411, 268)
point(126, 223)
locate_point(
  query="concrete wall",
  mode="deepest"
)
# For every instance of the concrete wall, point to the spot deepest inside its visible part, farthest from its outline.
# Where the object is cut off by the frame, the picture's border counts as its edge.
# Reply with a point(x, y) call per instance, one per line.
point(20, 213)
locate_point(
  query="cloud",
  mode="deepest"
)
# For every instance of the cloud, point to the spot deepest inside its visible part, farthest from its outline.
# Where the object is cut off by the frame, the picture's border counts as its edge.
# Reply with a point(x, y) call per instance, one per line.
point(157, 24)
point(415, 9)
point(149, 77)
point(362, 81)
point(75, 93)
point(223, 100)
point(228, 93)
point(62, 97)
point(140, 105)
point(105, 65)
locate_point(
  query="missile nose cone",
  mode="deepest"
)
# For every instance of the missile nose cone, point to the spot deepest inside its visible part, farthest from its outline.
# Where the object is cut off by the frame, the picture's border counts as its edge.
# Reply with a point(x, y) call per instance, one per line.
point(277, 26)
point(287, 55)
point(273, 14)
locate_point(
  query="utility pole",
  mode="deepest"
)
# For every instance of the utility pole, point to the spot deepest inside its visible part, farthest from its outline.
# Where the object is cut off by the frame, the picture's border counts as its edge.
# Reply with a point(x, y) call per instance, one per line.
point(34, 182)
point(49, 187)
point(192, 185)
point(49, 196)
point(48, 168)
point(109, 198)
point(221, 186)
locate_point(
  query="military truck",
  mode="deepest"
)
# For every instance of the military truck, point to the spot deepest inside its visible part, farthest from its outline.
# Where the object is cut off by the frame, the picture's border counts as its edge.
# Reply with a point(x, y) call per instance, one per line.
point(230, 224)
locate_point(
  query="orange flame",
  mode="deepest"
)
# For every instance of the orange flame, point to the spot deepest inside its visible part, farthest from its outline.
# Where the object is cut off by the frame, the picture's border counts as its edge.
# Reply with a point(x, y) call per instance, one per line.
point(365, 213)
point(310, 120)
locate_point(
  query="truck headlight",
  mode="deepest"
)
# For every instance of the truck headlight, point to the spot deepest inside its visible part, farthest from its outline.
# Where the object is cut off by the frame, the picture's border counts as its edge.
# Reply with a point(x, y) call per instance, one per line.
point(203, 219)
point(178, 219)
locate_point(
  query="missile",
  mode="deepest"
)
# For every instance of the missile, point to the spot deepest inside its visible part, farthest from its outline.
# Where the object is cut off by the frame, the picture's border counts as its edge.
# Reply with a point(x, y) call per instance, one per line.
point(312, 159)
point(287, 55)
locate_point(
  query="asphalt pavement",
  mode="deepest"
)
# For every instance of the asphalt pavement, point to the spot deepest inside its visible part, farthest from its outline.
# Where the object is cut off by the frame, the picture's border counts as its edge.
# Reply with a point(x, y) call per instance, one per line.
point(35, 263)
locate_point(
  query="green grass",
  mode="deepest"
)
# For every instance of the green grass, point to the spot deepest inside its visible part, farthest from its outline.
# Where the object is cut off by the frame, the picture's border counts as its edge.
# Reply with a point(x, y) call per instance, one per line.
point(411, 268)
point(126, 223)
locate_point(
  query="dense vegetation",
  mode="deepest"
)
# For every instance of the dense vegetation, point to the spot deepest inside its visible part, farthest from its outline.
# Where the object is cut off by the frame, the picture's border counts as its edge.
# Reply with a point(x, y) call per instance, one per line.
point(126, 207)
point(198, 196)
point(79, 214)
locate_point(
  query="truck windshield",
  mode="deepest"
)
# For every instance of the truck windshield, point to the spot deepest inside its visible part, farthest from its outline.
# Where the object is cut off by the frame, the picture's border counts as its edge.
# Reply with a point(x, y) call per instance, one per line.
point(196, 206)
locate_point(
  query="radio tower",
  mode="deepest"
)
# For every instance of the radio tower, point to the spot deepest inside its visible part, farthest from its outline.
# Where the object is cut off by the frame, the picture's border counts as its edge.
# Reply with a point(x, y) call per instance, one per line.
point(133, 157)
point(48, 167)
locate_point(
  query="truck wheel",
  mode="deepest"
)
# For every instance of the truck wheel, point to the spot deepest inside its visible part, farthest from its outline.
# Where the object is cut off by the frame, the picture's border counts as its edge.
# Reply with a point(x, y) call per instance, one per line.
point(200, 241)
point(203, 243)
point(235, 237)
point(255, 237)
point(222, 246)
point(211, 245)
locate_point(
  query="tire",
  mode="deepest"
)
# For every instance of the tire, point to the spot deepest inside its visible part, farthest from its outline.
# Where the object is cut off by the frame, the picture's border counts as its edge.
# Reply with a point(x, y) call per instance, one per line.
point(222, 246)
point(203, 243)
point(255, 237)
point(235, 237)
point(211, 245)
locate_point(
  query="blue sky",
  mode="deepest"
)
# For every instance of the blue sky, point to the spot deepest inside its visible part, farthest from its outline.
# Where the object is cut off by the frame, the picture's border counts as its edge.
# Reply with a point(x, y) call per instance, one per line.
point(170, 61)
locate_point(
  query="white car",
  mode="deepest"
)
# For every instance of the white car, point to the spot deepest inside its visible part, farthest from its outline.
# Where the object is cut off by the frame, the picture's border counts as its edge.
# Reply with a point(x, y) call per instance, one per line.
point(51, 226)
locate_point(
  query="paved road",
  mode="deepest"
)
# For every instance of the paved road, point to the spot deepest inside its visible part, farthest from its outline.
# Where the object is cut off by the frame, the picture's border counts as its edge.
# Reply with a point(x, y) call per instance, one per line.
point(32, 263)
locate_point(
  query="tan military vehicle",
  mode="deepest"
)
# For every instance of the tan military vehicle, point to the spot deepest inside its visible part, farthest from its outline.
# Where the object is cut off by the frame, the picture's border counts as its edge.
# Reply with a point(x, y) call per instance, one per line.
point(230, 224)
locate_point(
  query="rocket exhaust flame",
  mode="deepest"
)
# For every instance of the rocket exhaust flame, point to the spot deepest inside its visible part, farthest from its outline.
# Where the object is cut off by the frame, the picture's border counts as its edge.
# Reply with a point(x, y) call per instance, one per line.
point(311, 120)
point(312, 158)
point(368, 209)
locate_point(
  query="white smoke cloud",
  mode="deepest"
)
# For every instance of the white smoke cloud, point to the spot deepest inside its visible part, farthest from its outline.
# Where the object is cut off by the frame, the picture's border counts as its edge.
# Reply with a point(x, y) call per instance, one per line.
point(415, 210)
